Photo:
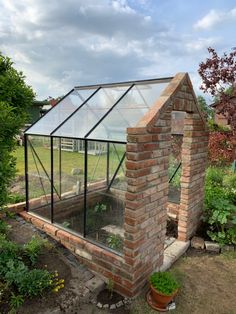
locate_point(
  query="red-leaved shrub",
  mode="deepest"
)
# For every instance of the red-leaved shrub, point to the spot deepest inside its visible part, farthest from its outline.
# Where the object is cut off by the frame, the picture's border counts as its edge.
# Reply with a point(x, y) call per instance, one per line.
point(221, 147)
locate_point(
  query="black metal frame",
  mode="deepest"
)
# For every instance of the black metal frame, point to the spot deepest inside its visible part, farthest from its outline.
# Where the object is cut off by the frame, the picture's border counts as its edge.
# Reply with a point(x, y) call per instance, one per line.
point(26, 173)
point(139, 82)
point(52, 135)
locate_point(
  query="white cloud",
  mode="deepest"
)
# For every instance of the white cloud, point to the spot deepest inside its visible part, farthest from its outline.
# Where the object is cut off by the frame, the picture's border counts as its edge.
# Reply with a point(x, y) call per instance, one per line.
point(200, 44)
point(214, 18)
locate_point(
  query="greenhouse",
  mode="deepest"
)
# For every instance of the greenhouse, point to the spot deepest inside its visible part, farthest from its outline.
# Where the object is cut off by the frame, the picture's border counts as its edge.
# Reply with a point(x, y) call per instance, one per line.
point(84, 192)
point(108, 162)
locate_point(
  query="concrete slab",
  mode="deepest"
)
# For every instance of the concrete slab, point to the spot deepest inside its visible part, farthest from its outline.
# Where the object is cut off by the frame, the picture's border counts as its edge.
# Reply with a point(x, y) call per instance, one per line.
point(173, 252)
point(95, 285)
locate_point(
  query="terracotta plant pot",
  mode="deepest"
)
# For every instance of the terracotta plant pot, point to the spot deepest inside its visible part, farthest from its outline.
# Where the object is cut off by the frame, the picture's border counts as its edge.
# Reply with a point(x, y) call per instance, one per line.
point(161, 299)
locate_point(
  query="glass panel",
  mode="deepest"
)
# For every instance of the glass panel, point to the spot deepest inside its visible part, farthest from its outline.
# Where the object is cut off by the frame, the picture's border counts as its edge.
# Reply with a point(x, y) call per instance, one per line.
point(116, 152)
point(69, 181)
point(60, 112)
point(39, 175)
point(84, 120)
point(97, 165)
point(104, 216)
point(128, 112)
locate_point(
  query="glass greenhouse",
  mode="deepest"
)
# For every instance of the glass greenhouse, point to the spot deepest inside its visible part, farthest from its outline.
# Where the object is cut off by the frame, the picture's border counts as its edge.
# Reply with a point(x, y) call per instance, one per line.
point(75, 158)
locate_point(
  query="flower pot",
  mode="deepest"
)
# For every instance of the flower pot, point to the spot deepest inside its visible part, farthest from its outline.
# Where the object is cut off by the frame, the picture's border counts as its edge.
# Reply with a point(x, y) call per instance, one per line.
point(161, 299)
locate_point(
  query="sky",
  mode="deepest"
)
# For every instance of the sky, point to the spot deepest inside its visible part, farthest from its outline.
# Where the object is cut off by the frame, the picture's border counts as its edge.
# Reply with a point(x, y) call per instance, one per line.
point(66, 43)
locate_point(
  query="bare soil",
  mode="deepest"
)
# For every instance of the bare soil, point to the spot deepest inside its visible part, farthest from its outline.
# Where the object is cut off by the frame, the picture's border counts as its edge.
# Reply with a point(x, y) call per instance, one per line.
point(208, 283)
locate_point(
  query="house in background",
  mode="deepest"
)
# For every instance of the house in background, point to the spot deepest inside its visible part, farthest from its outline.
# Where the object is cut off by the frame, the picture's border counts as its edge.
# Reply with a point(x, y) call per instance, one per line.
point(37, 109)
point(219, 118)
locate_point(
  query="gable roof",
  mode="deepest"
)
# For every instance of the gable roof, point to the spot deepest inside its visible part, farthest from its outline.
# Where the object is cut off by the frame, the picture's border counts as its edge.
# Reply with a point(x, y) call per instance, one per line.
point(105, 111)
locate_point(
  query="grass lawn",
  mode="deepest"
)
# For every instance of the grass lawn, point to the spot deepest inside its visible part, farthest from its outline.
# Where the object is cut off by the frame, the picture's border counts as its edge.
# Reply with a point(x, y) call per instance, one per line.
point(97, 166)
point(69, 160)
point(208, 286)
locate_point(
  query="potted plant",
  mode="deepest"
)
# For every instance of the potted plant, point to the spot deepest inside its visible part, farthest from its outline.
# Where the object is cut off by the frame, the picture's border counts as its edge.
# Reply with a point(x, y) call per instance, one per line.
point(164, 288)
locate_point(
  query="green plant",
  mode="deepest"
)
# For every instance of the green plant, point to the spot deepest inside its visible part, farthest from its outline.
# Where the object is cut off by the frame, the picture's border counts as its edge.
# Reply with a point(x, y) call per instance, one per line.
point(220, 205)
point(16, 301)
point(4, 227)
point(100, 208)
point(15, 98)
point(114, 241)
point(34, 282)
point(33, 248)
point(164, 282)
point(9, 251)
point(16, 198)
point(65, 224)
point(110, 287)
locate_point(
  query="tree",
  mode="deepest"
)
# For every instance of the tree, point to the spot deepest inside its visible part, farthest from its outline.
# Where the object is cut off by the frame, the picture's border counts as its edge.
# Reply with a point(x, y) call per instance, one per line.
point(204, 107)
point(15, 98)
point(219, 78)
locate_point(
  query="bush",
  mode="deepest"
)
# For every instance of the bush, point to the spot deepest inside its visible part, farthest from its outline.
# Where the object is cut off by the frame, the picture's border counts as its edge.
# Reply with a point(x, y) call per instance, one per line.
point(17, 278)
point(221, 148)
point(9, 251)
point(220, 205)
point(34, 282)
point(33, 248)
point(15, 98)
point(164, 282)
point(4, 227)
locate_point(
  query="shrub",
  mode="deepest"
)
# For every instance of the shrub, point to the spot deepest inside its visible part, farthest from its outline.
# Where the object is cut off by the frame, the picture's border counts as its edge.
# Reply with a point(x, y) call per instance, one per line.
point(220, 205)
point(164, 282)
point(8, 251)
point(33, 248)
point(34, 282)
point(221, 148)
point(4, 227)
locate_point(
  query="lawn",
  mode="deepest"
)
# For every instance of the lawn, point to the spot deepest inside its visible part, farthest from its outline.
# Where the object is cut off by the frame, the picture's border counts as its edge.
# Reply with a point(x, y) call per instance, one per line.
point(70, 162)
point(208, 285)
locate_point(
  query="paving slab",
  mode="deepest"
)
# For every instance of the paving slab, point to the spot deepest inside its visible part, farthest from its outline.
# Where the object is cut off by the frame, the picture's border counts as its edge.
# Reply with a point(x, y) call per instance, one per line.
point(173, 252)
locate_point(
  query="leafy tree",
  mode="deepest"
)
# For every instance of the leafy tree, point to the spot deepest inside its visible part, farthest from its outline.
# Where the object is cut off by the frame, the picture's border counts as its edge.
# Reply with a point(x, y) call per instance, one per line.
point(15, 98)
point(204, 107)
point(218, 78)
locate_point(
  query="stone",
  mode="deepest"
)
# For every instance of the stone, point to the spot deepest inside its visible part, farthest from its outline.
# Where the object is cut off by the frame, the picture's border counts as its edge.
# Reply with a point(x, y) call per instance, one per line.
point(99, 305)
point(112, 307)
point(173, 252)
point(212, 246)
point(198, 243)
point(83, 254)
point(95, 284)
point(227, 248)
point(87, 275)
point(85, 293)
point(116, 230)
point(119, 304)
point(105, 306)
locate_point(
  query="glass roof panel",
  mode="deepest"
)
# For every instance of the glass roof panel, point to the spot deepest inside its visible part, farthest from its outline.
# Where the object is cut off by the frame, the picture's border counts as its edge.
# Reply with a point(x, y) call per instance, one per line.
point(60, 112)
point(92, 111)
point(128, 112)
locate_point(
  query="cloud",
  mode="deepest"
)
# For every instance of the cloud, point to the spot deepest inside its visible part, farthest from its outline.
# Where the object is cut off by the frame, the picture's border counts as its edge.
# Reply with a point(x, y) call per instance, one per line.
point(201, 44)
point(214, 18)
point(77, 42)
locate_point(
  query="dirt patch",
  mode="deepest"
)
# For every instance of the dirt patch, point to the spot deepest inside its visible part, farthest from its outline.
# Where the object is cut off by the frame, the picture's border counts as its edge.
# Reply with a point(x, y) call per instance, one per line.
point(105, 297)
point(172, 228)
point(208, 286)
